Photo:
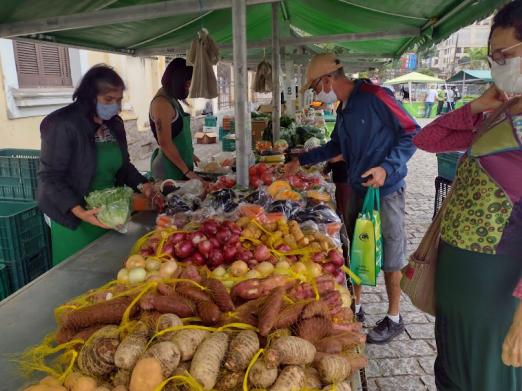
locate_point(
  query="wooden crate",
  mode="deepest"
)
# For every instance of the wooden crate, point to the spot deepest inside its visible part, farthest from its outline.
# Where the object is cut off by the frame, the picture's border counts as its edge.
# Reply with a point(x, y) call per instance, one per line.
point(258, 126)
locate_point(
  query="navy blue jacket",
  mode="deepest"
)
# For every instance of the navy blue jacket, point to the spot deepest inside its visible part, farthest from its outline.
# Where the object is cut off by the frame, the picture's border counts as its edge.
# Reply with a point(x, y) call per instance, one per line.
point(371, 130)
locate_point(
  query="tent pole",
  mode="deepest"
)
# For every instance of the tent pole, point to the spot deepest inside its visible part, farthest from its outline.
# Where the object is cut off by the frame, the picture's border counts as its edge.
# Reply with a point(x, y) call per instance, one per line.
point(242, 116)
point(276, 67)
point(410, 85)
point(463, 82)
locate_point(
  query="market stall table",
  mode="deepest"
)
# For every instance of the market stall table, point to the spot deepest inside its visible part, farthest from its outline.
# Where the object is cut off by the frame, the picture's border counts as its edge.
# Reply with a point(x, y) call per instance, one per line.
point(27, 316)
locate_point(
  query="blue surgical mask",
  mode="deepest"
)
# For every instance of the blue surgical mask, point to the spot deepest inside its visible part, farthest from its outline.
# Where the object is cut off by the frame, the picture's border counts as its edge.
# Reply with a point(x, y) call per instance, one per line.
point(107, 110)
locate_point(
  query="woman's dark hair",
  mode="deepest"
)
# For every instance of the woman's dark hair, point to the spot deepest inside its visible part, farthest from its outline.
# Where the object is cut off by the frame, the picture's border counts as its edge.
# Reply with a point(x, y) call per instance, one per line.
point(99, 79)
point(509, 16)
point(175, 77)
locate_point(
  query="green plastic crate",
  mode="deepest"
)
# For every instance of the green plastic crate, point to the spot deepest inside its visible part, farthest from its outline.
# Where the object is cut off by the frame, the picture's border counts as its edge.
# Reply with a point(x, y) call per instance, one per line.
point(210, 120)
point(447, 164)
point(229, 145)
point(18, 168)
point(23, 271)
point(22, 230)
point(4, 282)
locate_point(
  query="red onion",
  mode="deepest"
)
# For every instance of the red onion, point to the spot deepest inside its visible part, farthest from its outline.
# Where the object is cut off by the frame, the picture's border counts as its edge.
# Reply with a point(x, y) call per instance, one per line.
point(234, 239)
point(340, 277)
point(205, 247)
point(331, 268)
point(215, 243)
point(177, 238)
point(245, 254)
point(209, 227)
point(252, 263)
point(224, 236)
point(283, 248)
point(168, 248)
point(291, 258)
point(197, 237)
point(335, 257)
point(229, 253)
point(184, 249)
point(216, 258)
point(235, 229)
point(198, 259)
point(262, 253)
point(146, 251)
point(317, 257)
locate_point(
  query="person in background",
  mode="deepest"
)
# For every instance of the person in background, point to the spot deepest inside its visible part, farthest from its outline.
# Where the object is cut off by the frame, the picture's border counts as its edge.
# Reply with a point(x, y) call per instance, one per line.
point(478, 286)
point(374, 135)
point(405, 94)
point(456, 94)
point(208, 110)
point(170, 125)
point(450, 100)
point(441, 99)
point(84, 148)
point(429, 101)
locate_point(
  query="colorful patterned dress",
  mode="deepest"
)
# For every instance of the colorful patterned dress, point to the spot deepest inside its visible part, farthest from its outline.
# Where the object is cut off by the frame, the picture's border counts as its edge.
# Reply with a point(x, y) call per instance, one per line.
point(479, 270)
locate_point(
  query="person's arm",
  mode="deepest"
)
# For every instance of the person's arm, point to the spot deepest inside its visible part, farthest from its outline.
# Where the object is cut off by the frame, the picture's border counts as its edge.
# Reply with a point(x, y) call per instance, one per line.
point(162, 114)
point(55, 156)
point(323, 153)
point(512, 346)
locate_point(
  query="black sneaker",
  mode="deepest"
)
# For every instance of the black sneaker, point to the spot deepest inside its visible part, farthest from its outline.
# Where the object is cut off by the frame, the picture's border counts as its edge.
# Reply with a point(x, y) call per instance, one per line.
point(360, 316)
point(385, 330)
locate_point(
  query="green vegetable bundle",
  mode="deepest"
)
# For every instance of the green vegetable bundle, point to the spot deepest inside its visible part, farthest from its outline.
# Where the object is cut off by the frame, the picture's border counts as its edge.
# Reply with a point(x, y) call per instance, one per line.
point(114, 204)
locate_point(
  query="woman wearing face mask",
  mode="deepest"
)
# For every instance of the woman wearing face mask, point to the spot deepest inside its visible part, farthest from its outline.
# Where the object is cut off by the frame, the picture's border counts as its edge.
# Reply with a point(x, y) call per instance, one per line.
point(171, 126)
point(479, 269)
point(84, 148)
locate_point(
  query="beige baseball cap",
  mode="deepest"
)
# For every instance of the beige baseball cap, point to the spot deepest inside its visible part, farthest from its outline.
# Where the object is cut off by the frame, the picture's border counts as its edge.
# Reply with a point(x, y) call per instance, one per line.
point(320, 65)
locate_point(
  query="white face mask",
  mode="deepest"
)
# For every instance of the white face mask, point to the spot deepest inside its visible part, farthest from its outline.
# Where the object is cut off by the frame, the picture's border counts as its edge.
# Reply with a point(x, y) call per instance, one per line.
point(326, 97)
point(507, 77)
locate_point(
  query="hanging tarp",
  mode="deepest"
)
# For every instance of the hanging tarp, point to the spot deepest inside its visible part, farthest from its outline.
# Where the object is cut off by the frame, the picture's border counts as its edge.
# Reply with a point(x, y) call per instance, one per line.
point(263, 78)
point(429, 21)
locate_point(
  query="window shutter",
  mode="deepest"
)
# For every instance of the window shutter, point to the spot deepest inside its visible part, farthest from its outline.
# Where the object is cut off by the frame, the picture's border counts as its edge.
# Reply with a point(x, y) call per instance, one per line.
point(42, 65)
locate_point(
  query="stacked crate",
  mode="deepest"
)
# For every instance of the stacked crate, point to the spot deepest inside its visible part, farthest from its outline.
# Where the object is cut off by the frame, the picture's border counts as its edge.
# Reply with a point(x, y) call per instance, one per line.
point(24, 236)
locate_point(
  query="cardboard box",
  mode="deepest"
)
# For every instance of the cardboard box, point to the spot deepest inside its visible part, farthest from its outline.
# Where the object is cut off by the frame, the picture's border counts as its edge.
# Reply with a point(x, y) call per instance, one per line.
point(206, 138)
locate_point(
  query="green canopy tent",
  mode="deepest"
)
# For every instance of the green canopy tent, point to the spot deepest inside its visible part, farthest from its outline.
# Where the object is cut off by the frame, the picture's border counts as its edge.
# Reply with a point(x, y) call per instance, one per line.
point(471, 76)
point(357, 30)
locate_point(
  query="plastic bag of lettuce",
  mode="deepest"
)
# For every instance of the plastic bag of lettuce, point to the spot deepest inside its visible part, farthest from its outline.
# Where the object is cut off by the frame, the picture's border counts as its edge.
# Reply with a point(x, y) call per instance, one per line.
point(114, 204)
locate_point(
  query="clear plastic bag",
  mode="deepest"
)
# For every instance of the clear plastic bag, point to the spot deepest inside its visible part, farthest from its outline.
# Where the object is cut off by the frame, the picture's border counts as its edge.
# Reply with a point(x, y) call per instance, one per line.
point(114, 206)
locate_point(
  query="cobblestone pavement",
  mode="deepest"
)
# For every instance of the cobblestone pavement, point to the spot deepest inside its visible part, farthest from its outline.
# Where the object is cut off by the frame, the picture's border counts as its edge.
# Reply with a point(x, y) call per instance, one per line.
point(407, 362)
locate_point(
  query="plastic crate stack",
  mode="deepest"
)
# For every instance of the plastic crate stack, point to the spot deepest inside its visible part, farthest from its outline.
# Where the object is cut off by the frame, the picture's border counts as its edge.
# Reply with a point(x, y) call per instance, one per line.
point(24, 236)
point(228, 140)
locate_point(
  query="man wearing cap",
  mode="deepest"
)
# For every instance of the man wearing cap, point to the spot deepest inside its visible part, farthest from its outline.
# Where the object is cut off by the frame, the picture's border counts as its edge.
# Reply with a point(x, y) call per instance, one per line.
point(374, 135)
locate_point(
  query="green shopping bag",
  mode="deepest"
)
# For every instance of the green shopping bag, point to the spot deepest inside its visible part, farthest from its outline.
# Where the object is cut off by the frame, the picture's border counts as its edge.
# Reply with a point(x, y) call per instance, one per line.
point(367, 249)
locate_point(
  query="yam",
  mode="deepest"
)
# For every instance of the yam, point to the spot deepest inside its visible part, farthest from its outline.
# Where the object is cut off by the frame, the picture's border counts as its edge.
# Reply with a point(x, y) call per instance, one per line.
point(269, 311)
point(188, 341)
point(167, 353)
point(121, 378)
point(146, 375)
point(316, 308)
point(173, 304)
point(312, 379)
point(228, 380)
point(208, 312)
point(289, 351)
point(219, 294)
point(291, 378)
point(260, 376)
point(333, 368)
point(164, 322)
point(96, 358)
point(107, 312)
point(289, 315)
point(132, 347)
point(241, 350)
point(207, 359)
point(313, 329)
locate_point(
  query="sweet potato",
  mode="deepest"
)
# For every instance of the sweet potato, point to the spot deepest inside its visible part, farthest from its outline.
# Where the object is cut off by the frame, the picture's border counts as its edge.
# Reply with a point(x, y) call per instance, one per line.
point(260, 376)
point(191, 292)
point(339, 342)
point(86, 333)
point(207, 359)
point(289, 351)
point(168, 304)
point(241, 350)
point(289, 315)
point(270, 283)
point(146, 375)
point(312, 380)
point(188, 341)
point(107, 312)
point(132, 347)
point(316, 308)
point(96, 358)
point(333, 369)
point(228, 381)
point(166, 289)
point(268, 312)
point(208, 312)
point(190, 272)
point(246, 290)
point(219, 294)
point(313, 329)
point(354, 327)
point(291, 378)
point(167, 353)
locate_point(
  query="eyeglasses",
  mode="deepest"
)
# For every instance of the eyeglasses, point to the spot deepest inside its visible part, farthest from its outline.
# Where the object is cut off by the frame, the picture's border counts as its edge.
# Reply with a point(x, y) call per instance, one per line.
point(499, 56)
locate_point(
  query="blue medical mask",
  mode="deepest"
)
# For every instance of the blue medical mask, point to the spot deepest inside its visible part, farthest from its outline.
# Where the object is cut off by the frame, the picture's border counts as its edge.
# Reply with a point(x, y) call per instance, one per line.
point(107, 110)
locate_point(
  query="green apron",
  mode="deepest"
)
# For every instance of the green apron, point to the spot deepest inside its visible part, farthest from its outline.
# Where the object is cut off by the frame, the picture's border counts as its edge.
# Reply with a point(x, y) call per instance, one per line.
point(65, 241)
point(161, 167)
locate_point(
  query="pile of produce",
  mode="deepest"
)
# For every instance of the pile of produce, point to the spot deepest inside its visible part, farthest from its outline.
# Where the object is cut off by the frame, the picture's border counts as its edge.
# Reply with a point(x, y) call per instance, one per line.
point(189, 332)
point(114, 206)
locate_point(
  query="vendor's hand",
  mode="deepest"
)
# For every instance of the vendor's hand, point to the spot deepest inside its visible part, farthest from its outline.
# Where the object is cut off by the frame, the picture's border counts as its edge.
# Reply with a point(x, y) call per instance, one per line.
point(492, 99)
point(512, 346)
point(378, 177)
point(147, 190)
point(197, 160)
point(292, 167)
point(89, 216)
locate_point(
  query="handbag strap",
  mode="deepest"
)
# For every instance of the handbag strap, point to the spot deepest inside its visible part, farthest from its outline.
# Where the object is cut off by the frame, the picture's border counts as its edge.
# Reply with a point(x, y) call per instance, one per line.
point(490, 120)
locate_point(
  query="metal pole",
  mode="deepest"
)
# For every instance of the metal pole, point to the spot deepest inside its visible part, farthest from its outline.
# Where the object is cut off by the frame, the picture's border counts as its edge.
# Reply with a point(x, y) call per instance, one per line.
point(242, 116)
point(290, 85)
point(276, 67)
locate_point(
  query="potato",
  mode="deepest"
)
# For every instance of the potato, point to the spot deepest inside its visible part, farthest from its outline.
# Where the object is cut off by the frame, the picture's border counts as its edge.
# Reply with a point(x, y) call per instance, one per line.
point(146, 376)
point(120, 388)
point(50, 381)
point(71, 379)
point(84, 383)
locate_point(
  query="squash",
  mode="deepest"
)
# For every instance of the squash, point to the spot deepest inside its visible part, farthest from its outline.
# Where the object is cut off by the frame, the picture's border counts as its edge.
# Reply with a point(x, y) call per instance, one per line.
point(318, 195)
point(278, 186)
